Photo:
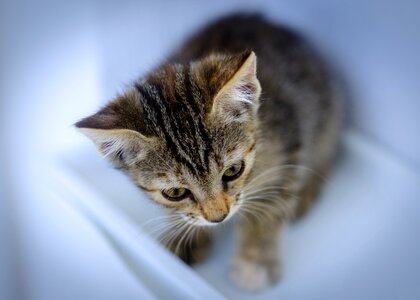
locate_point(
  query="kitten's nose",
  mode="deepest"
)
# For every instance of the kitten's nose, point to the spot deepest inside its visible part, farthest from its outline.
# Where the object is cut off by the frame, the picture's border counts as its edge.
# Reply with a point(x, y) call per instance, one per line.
point(220, 219)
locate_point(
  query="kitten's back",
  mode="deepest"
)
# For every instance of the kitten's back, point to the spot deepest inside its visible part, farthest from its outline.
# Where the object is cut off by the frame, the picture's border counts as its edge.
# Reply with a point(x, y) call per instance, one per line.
point(234, 34)
point(299, 104)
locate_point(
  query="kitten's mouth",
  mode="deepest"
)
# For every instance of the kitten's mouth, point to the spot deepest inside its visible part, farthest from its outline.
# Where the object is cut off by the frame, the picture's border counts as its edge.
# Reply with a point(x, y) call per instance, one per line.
point(204, 222)
point(219, 220)
point(201, 221)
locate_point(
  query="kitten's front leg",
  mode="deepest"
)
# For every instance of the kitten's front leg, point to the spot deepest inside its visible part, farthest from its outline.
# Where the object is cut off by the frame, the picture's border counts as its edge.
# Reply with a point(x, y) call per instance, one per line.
point(193, 249)
point(256, 265)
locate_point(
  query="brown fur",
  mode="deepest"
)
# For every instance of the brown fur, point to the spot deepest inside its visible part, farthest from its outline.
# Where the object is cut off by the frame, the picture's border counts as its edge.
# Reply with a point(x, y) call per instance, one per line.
point(188, 121)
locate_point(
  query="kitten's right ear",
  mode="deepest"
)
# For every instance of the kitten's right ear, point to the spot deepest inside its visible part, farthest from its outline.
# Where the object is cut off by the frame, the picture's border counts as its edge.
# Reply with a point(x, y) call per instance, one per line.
point(115, 137)
point(237, 87)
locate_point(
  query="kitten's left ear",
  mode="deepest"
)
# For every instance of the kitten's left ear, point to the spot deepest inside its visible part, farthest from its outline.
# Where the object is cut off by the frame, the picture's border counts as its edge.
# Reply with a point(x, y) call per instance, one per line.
point(238, 99)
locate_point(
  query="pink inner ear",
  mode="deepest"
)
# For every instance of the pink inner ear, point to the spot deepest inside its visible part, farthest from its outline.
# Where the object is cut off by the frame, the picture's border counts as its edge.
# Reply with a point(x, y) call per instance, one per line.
point(248, 92)
point(249, 88)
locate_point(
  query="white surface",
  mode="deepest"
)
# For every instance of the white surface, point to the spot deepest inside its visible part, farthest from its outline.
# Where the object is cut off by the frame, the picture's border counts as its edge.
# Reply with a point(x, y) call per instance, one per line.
point(155, 270)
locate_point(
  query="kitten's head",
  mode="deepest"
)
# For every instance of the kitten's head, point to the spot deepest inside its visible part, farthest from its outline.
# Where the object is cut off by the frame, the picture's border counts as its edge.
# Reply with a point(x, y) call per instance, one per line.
point(186, 134)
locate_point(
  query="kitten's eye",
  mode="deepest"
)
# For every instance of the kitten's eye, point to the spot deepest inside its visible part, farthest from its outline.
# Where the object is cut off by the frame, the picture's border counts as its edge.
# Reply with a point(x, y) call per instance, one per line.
point(176, 194)
point(234, 171)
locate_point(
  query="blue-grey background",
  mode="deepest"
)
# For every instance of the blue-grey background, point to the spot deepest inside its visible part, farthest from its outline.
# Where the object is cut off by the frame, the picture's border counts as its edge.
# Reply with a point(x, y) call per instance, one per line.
point(60, 60)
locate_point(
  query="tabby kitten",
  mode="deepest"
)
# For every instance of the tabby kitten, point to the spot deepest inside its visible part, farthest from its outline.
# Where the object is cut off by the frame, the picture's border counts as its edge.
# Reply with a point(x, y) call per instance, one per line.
point(244, 118)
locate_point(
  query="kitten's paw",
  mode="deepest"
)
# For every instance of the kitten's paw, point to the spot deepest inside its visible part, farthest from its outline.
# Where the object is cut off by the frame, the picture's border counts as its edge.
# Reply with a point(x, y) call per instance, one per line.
point(254, 275)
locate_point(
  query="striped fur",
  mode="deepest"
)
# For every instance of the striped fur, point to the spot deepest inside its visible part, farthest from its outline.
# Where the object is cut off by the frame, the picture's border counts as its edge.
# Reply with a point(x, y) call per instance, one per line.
point(200, 113)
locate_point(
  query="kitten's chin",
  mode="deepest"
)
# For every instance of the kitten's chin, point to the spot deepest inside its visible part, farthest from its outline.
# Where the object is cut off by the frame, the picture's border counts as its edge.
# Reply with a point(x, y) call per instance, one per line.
point(204, 223)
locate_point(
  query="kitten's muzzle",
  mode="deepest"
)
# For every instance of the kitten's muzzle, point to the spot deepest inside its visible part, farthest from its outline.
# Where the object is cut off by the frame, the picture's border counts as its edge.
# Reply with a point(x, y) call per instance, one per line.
point(216, 208)
point(219, 219)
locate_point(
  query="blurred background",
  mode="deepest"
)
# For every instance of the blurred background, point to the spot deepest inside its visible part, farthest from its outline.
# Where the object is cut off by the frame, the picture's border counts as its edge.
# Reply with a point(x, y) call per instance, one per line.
point(61, 60)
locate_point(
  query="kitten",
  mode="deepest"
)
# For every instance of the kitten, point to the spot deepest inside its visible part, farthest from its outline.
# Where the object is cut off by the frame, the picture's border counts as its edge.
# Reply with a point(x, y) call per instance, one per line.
point(244, 118)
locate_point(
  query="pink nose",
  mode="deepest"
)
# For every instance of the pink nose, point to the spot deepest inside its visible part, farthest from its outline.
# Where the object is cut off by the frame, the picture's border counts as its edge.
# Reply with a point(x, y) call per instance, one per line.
point(219, 219)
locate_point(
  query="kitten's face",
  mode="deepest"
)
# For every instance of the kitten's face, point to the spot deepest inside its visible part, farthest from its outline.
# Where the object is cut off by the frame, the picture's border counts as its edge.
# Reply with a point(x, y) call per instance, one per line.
point(207, 197)
point(186, 135)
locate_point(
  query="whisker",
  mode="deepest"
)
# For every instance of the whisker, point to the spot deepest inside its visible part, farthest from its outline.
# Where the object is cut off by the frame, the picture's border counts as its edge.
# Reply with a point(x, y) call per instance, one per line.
point(259, 215)
point(306, 168)
point(184, 235)
point(159, 219)
point(172, 233)
point(164, 226)
point(278, 187)
point(175, 237)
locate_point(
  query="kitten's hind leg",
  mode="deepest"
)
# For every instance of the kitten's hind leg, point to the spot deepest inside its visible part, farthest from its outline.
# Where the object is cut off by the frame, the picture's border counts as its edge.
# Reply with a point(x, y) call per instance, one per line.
point(192, 247)
point(256, 265)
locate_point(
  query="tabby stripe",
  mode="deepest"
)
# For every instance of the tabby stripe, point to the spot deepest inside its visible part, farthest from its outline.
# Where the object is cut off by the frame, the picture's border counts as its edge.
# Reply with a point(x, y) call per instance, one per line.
point(168, 126)
point(183, 149)
point(193, 116)
point(150, 113)
point(252, 147)
point(198, 113)
point(157, 113)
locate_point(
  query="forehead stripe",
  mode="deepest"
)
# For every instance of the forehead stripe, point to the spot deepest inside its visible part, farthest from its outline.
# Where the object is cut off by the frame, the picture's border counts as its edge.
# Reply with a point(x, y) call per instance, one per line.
point(179, 134)
point(164, 128)
point(199, 114)
point(194, 118)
